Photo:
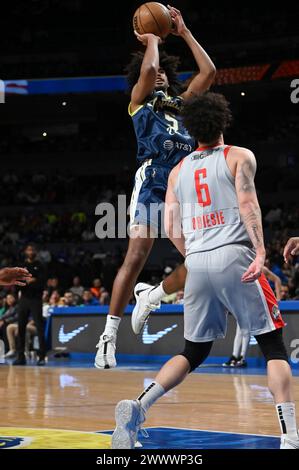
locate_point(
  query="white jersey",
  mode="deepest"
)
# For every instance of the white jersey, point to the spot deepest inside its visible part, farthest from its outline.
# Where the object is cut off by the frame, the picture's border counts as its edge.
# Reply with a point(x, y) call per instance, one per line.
point(205, 189)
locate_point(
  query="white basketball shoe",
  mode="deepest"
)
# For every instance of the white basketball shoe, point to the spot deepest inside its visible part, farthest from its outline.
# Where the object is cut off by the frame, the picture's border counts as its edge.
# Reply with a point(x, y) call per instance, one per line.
point(143, 306)
point(105, 357)
point(287, 443)
point(129, 416)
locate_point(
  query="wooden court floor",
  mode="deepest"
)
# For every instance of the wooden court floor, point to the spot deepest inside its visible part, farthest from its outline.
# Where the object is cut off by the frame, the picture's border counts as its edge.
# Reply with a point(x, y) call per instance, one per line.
point(83, 399)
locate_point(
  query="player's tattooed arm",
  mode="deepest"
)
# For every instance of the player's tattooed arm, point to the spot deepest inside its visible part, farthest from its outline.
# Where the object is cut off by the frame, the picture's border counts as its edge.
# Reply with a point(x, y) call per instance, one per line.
point(248, 203)
point(250, 210)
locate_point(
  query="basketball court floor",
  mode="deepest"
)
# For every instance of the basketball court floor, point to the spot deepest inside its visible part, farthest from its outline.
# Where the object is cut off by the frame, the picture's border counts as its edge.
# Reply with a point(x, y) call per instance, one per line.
point(71, 405)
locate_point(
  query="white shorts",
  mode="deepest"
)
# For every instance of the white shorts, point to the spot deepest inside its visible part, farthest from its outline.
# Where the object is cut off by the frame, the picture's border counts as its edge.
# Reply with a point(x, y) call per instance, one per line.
point(213, 288)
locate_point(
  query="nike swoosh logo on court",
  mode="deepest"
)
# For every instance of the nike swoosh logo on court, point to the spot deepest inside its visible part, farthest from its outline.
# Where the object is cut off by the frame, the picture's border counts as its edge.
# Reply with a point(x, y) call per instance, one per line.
point(66, 337)
point(148, 338)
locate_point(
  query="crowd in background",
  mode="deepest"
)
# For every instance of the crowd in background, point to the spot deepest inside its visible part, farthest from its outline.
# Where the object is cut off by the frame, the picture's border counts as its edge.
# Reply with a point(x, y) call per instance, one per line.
point(87, 48)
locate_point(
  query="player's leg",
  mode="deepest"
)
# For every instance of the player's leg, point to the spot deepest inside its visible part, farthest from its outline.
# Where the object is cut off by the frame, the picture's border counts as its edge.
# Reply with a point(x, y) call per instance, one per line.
point(11, 333)
point(37, 315)
point(138, 250)
point(23, 314)
point(256, 310)
point(130, 414)
point(232, 361)
point(241, 362)
point(148, 297)
point(201, 326)
point(280, 385)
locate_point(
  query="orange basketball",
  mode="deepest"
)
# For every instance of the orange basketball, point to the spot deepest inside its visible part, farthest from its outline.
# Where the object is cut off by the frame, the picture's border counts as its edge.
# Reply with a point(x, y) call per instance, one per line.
point(152, 17)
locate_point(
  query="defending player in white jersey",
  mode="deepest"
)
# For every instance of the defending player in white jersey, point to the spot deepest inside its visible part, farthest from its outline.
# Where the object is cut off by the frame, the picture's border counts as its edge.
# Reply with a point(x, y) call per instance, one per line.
point(213, 218)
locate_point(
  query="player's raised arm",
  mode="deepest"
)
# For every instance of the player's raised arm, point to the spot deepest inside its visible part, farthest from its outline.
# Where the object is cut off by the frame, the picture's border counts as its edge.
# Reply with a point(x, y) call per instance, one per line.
point(249, 209)
point(172, 216)
point(207, 70)
point(149, 70)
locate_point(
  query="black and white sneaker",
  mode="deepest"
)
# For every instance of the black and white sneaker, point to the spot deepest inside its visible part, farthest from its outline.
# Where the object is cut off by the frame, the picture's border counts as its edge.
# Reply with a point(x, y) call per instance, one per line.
point(105, 357)
point(143, 306)
point(231, 362)
point(241, 362)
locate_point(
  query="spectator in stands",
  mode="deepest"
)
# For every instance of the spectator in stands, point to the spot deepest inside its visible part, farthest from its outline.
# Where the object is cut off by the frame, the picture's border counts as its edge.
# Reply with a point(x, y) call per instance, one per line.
point(44, 255)
point(99, 292)
point(54, 299)
point(88, 300)
point(285, 293)
point(2, 305)
point(10, 315)
point(12, 333)
point(67, 300)
point(77, 288)
point(46, 304)
point(52, 285)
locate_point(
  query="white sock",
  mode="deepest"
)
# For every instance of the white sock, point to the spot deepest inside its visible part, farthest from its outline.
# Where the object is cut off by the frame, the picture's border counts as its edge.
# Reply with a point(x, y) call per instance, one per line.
point(287, 419)
point(112, 324)
point(245, 344)
point(150, 395)
point(237, 342)
point(157, 294)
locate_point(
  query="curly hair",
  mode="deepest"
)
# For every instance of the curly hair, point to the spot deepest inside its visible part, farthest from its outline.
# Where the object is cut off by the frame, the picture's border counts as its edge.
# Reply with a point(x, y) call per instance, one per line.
point(206, 117)
point(168, 63)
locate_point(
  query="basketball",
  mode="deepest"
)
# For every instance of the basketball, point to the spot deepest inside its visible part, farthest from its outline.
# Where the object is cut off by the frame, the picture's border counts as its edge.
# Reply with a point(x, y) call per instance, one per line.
point(152, 17)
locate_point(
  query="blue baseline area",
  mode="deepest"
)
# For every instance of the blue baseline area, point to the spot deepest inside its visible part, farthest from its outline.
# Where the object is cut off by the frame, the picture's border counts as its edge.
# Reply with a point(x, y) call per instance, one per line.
point(285, 306)
point(212, 365)
point(178, 438)
point(56, 86)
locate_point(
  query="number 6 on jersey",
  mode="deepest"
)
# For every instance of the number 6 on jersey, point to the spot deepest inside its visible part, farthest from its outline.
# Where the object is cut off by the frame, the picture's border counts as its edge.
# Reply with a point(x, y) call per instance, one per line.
point(202, 189)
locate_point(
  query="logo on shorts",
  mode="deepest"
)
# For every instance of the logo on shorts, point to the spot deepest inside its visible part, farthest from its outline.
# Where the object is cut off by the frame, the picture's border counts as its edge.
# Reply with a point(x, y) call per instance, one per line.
point(275, 312)
point(168, 145)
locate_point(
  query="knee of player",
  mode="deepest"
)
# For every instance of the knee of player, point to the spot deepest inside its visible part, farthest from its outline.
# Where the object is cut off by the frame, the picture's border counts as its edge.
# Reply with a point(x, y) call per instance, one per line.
point(272, 346)
point(196, 353)
point(135, 258)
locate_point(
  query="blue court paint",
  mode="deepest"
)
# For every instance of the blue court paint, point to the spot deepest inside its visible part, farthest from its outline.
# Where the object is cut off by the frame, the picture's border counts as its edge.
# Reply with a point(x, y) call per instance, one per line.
point(178, 438)
point(86, 360)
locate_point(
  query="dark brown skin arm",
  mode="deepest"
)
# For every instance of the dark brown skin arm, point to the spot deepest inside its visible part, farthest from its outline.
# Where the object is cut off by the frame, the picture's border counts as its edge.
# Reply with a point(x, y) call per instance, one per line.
point(207, 70)
point(148, 72)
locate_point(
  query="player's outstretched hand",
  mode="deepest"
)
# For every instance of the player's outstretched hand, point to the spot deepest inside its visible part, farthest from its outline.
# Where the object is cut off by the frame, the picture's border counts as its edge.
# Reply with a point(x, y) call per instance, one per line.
point(14, 276)
point(255, 270)
point(144, 38)
point(291, 249)
point(179, 27)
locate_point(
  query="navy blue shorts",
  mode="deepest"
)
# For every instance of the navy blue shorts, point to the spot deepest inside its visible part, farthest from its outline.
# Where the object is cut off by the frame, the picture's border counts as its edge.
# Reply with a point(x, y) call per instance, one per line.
point(148, 196)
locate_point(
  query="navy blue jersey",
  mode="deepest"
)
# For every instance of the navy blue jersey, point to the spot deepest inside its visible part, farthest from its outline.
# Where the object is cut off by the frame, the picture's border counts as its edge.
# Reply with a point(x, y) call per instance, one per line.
point(160, 133)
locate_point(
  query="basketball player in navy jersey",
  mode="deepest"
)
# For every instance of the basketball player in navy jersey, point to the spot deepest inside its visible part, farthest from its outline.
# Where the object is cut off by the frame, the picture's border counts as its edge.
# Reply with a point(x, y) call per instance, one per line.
point(162, 142)
point(212, 216)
